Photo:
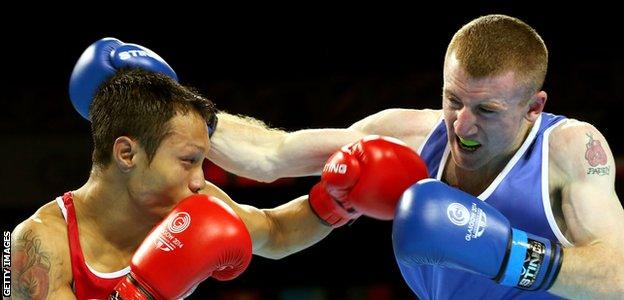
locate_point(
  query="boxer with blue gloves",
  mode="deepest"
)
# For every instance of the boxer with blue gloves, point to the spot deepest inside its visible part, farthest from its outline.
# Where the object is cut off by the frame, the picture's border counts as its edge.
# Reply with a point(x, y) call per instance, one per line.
point(549, 175)
point(439, 225)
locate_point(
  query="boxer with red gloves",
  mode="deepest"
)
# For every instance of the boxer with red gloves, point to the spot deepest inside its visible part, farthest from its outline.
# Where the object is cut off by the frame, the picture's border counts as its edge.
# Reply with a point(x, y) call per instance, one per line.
point(366, 177)
point(150, 136)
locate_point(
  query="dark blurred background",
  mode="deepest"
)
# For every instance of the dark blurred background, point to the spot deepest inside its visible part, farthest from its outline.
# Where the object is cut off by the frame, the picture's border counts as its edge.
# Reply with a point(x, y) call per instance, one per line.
point(293, 67)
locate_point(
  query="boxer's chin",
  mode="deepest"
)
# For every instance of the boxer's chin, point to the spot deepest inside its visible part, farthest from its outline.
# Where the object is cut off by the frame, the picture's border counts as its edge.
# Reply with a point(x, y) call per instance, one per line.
point(467, 160)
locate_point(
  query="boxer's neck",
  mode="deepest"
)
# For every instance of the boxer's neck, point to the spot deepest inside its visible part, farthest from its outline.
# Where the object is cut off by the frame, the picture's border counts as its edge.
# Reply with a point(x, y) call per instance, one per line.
point(473, 182)
point(105, 209)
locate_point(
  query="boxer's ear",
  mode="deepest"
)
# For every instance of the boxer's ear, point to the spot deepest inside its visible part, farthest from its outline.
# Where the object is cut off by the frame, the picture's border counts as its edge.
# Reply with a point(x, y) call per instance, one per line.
point(124, 152)
point(536, 106)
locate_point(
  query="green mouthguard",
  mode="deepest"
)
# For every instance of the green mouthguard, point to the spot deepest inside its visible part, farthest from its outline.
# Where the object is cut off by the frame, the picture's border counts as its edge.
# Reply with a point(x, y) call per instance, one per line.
point(469, 143)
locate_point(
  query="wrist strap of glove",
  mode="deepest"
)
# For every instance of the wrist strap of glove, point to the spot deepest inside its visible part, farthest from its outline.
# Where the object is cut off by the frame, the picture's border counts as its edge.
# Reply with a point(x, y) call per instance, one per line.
point(534, 262)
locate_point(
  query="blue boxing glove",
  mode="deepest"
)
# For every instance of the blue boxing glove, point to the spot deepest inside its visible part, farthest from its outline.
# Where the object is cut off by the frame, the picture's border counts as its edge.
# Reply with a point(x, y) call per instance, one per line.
point(101, 60)
point(436, 224)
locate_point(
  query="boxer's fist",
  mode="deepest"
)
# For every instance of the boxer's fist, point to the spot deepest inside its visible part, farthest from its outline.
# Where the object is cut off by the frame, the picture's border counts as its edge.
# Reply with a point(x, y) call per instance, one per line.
point(367, 177)
point(202, 237)
point(101, 61)
point(328, 209)
point(436, 224)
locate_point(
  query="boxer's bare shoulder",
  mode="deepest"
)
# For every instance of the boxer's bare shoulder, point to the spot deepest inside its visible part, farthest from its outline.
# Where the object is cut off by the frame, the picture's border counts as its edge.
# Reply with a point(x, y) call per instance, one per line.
point(41, 265)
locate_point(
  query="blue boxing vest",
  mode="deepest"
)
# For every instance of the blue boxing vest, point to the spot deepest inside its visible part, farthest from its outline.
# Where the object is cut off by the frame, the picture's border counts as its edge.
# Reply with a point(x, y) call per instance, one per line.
point(519, 192)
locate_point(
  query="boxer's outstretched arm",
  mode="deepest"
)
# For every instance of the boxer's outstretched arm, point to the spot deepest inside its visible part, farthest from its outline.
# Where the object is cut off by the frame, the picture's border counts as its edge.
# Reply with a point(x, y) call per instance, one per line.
point(592, 212)
point(279, 231)
point(247, 147)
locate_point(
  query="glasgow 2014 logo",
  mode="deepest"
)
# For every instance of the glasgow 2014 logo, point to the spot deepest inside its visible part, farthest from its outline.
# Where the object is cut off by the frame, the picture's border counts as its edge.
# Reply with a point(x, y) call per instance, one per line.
point(458, 214)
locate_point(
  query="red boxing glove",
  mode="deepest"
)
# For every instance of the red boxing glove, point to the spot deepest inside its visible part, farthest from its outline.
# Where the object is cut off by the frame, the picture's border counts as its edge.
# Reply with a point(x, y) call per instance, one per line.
point(200, 238)
point(366, 177)
point(327, 209)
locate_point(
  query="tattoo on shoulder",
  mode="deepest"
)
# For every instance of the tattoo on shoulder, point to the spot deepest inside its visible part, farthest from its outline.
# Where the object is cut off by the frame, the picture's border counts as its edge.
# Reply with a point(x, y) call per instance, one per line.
point(596, 157)
point(32, 267)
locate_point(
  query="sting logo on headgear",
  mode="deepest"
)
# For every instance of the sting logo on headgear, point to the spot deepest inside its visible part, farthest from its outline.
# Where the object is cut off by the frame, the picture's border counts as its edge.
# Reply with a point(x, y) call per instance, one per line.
point(167, 241)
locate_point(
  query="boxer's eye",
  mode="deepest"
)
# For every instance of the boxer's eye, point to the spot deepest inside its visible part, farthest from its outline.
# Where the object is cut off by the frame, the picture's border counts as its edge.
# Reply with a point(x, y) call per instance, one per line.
point(189, 160)
point(486, 110)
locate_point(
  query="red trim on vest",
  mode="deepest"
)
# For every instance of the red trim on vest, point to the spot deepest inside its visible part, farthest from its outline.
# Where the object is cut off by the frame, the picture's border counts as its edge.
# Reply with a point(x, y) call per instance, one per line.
point(86, 285)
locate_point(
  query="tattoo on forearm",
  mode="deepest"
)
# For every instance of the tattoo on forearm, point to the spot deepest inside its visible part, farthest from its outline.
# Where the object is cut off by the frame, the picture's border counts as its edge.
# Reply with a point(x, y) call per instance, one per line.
point(31, 267)
point(596, 157)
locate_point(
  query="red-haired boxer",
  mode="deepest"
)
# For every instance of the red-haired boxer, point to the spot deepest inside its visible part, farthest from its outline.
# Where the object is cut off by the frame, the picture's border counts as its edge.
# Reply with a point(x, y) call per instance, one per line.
point(548, 175)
